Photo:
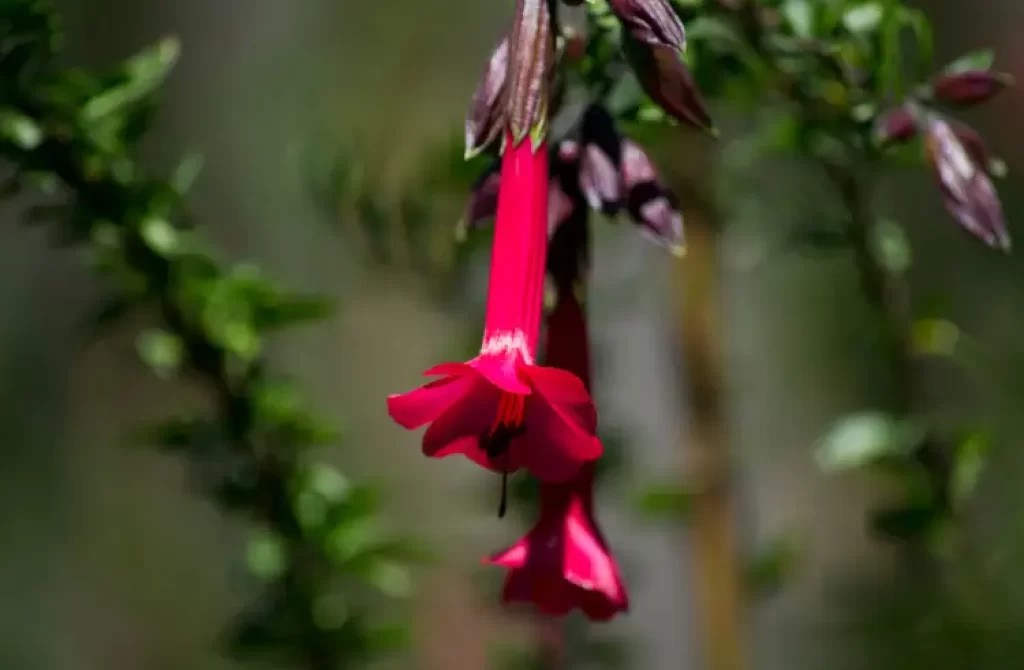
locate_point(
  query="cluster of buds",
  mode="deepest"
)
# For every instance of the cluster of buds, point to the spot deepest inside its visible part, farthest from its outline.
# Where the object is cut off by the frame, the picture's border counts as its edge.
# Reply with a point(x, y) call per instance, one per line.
point(961, 162)
point(502, 409)
point(593, 168)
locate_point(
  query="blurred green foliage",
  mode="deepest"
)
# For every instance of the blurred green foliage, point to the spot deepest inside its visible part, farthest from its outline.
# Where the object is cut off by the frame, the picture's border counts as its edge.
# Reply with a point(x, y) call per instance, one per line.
point(821, 74)
point(318, 547)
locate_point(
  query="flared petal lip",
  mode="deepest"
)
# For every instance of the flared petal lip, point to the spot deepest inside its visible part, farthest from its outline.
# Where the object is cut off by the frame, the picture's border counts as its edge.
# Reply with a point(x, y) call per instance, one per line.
point(463, 404)
point(556, 597)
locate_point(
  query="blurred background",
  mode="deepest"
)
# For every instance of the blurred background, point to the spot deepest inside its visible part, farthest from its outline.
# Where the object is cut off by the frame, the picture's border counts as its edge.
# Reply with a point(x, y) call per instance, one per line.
point(110, 562)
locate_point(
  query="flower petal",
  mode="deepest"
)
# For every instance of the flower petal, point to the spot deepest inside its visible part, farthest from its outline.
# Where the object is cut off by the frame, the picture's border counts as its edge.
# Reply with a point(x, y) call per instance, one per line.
point(501, 371)
point(467, 419)
point(588, 564)
point(599, 180)
point(415, 408)
point(560, 426)
point(598, 607)
point(513, 557)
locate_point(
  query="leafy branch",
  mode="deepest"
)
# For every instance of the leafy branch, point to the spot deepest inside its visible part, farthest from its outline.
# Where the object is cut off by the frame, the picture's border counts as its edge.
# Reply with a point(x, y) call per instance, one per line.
point(317, 546)
point(852, 85)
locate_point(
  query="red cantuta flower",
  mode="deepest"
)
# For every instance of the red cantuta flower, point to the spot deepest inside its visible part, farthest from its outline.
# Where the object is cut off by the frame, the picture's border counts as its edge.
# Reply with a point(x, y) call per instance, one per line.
point(500, 409)
point(563, 563)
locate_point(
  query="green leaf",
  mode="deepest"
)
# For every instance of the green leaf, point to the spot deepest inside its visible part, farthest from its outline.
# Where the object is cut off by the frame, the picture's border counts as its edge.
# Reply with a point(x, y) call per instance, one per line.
point(328, 482)
point(800, 17)
point(285, 312)
point(715, 31)
point(390, 578)
point(20, 129)
point(331, 611)
point(663, 501)
point(981, 60)
point(267, 555)
point(864, 18)
point(891, 71)
point(143, 74)
point(160, 235)
point(228, 314)
point(890, 246)
point(162, 351)
point(918, 22)
point(186, 173)
point(626, 94)
point(650, 113)
point(934, 337)
point(968, 466)
point(276, 401)
point(862, 439)
point(352, 539)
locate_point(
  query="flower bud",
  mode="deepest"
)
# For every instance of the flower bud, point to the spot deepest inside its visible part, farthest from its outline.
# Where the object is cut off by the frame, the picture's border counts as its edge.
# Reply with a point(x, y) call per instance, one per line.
point(486, 111)
point(482, 206)
point(978, 149)
point(652, 22)
point(896, 126)
point(969, 88)
point(531, 55)
point(649, 203)
point(600, 159)
point(575, 46)
point(669, 83)
point(967, 191)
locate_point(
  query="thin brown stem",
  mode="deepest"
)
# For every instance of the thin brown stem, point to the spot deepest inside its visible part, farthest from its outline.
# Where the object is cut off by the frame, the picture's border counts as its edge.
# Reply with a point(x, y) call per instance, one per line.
point(717, 576)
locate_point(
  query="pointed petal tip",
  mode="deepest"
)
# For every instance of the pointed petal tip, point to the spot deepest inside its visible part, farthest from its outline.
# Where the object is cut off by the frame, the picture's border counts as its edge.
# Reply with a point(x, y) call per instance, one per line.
point(511, 558)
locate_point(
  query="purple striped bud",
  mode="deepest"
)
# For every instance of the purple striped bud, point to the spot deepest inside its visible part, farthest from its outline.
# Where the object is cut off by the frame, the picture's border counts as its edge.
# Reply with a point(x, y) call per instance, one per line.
point(971, 87)
point(967, 191)
point(650, 204)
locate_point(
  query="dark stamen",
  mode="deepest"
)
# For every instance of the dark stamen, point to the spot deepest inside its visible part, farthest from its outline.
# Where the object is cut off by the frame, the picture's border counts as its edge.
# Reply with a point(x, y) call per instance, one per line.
point(496, 443)
point(503, 505)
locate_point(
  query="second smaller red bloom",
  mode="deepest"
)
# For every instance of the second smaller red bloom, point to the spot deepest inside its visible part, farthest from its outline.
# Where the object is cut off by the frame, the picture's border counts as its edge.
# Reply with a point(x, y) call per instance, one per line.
point(563, 563)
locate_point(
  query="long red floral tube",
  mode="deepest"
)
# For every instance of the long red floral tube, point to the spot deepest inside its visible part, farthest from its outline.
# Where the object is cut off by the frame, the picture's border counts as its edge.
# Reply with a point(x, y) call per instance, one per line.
point(501, 409)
